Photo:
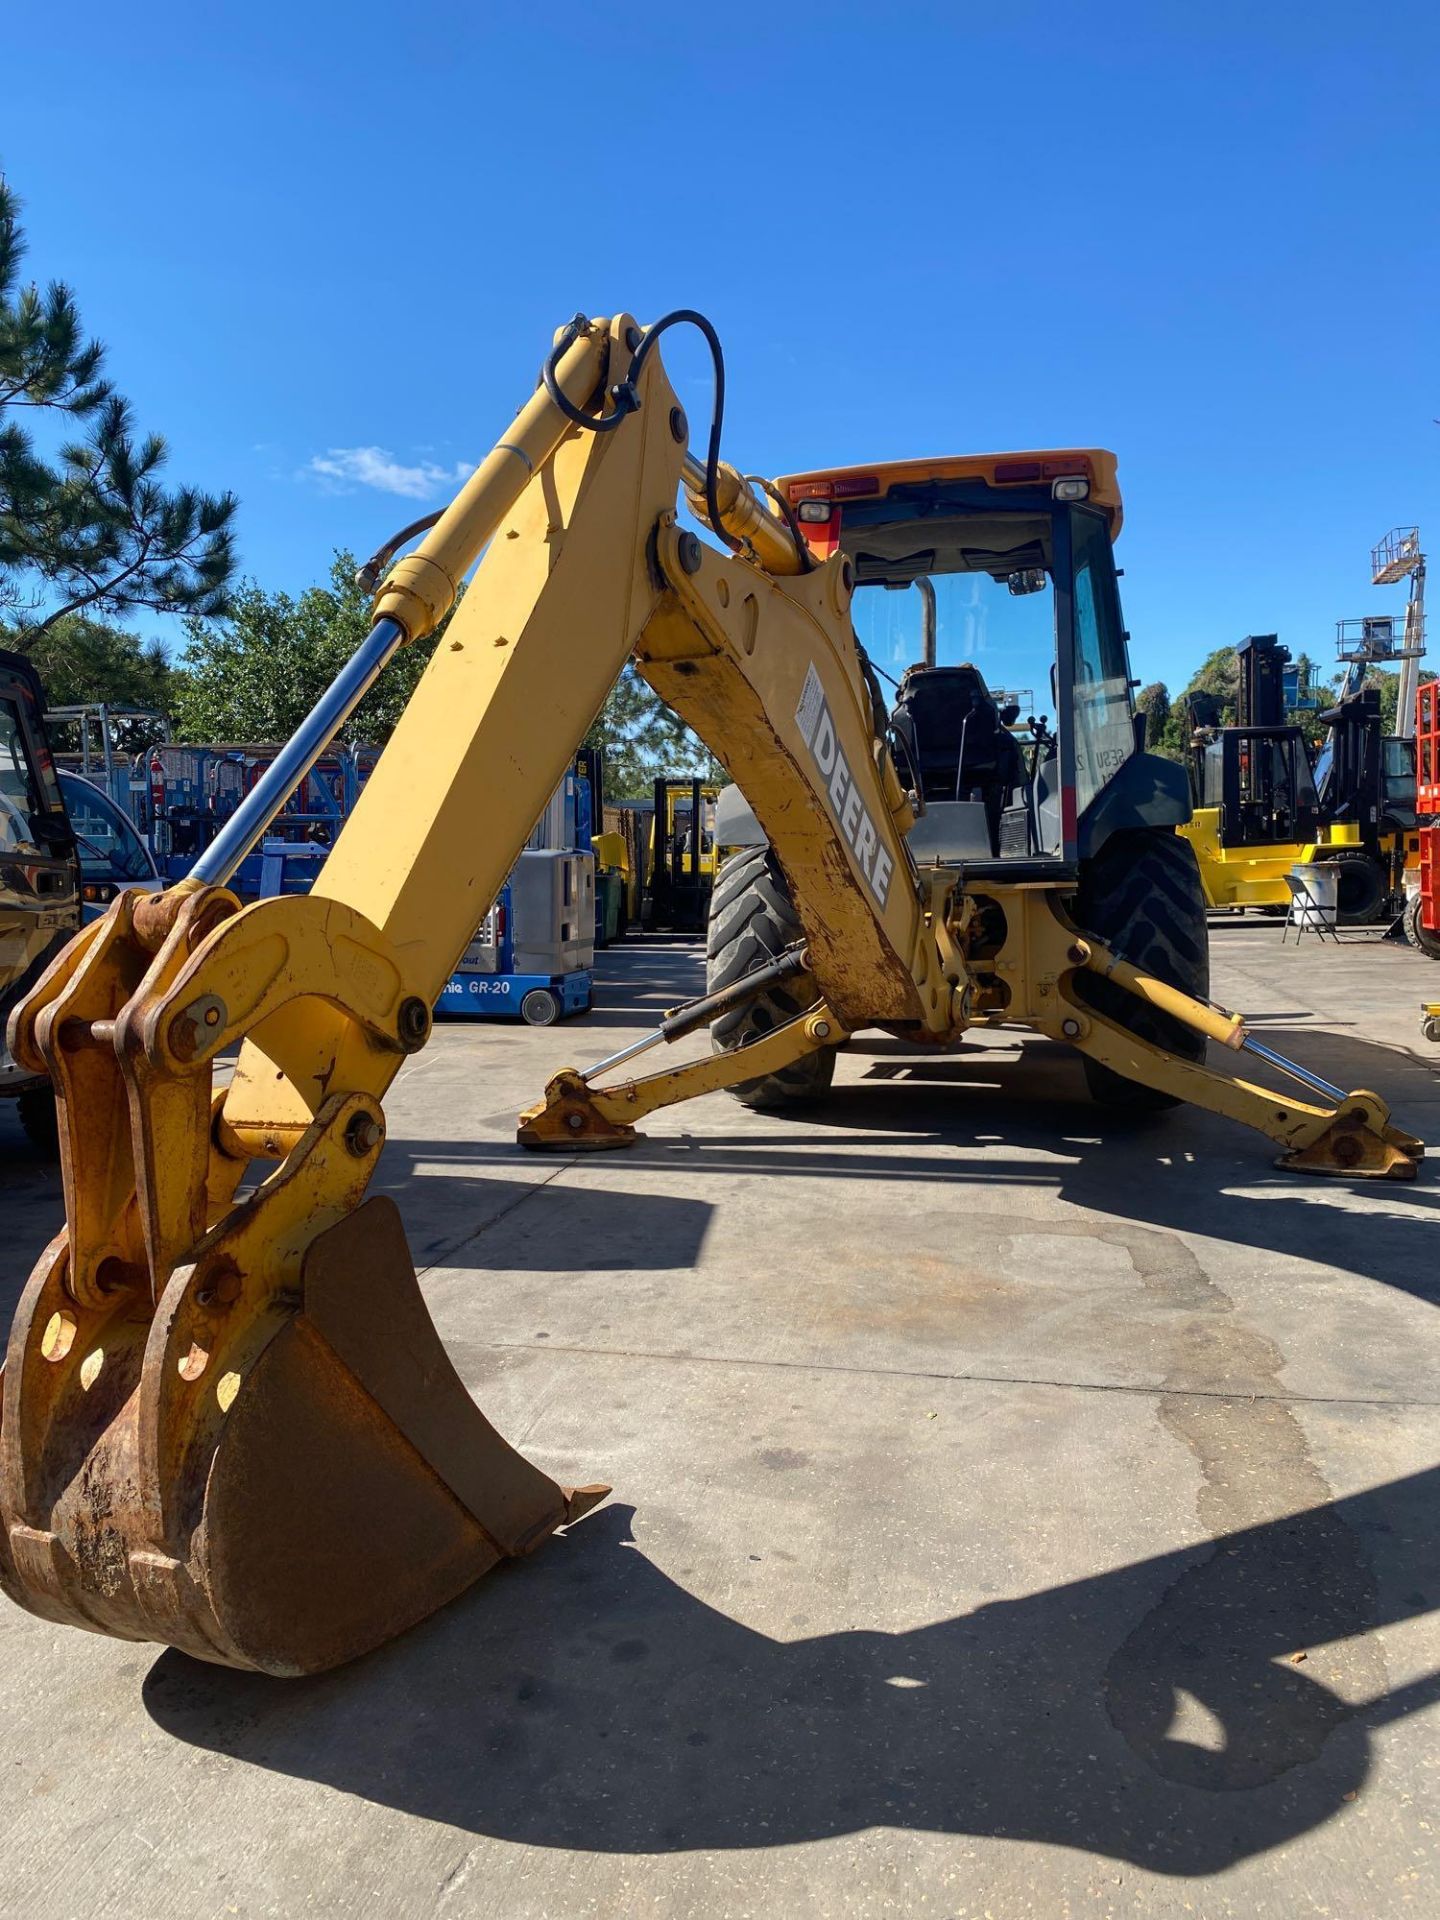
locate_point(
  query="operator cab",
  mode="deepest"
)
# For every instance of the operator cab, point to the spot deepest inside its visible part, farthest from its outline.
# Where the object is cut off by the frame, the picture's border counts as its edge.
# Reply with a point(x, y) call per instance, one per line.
point(39, 876)
point(985, 593)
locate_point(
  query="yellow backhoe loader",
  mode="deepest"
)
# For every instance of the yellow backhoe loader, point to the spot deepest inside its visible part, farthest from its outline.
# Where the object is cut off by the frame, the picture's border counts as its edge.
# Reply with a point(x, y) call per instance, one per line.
point(228, 1422)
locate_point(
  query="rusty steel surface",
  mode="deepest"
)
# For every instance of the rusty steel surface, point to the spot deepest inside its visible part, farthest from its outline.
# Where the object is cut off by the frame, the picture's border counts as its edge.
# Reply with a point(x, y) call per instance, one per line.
point(231, 1426)
point(284, 1508)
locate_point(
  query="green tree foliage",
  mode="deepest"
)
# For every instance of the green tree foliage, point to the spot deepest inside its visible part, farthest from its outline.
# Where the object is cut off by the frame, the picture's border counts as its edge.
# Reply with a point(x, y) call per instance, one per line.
point(1154, 702)
point(45, 360)
point(1218, 674)
point(643, 738)
point(255, 674)
point(1387, 684)
point(90, 527)
point(82, 662)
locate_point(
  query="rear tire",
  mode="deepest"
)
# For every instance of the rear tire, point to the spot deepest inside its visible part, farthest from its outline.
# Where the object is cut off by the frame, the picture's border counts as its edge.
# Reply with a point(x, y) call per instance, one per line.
point(1419, 935)
point(1142, 896)
point(540, 1008)
point(752, 920)
point(1360, 899)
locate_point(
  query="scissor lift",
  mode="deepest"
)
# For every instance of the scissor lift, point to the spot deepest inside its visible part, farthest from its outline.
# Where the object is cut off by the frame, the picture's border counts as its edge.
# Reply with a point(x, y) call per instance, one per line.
point(1427, 803)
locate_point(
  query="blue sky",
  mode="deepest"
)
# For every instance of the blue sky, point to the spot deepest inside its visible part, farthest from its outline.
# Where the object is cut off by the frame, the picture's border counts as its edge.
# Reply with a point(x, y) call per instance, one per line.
point(327, 246)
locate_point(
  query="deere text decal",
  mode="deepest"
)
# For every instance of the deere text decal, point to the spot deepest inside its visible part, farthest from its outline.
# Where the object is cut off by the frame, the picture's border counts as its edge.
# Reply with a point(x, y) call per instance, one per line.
point(812, 716)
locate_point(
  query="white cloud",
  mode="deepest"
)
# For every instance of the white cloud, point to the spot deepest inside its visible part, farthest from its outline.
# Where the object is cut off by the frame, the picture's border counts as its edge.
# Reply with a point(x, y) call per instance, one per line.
point(344, 468)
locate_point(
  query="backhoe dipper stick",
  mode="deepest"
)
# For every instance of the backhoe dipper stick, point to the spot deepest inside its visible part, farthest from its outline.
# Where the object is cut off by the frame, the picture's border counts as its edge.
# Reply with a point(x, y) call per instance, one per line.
point(231, 1425)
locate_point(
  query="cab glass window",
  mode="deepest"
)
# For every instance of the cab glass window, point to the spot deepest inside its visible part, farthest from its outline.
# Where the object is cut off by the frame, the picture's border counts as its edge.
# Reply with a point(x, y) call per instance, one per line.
point(18, 799)
point(110, 848)
point(1399, 765)
point(1104, 729)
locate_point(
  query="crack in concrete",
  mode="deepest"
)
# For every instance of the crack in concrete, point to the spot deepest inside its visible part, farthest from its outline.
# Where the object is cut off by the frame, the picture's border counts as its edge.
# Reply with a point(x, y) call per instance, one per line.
point(1151, 1391)
point(466, 1239)
point(1230, 1633)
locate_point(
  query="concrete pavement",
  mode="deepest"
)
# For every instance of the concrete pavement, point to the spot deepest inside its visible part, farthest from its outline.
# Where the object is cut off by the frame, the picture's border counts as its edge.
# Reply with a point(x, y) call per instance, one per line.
point(1018, 1511)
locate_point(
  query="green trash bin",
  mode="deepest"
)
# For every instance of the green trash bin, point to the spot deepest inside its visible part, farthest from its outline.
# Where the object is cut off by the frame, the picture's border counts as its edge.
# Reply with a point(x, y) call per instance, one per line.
point(609, 892)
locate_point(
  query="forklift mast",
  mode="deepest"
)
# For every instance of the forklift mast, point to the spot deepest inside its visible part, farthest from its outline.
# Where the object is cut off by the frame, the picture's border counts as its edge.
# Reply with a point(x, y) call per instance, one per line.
point(1350, 774)
point(1257, 772)
point(1260, 701)
point(682, 859)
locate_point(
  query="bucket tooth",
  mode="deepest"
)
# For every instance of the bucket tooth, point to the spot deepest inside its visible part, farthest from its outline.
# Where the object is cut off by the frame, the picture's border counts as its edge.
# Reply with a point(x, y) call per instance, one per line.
point(333, 1493)
point(580, 1500)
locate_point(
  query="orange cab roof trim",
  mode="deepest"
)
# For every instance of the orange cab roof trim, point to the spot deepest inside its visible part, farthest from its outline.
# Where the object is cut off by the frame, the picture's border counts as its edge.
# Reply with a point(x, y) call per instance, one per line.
point(1093, 463)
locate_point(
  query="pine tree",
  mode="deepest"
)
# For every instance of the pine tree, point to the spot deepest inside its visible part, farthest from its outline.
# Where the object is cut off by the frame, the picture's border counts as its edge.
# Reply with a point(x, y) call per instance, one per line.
point(642, 738)
point(92, 529)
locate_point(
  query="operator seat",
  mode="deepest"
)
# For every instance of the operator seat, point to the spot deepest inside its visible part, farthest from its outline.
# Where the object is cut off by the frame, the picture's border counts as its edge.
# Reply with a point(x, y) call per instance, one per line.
point(960, 750)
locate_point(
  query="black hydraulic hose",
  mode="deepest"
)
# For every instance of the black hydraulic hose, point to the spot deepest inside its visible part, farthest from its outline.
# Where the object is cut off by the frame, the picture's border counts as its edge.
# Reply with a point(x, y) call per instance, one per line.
point(625, 397)
point(787, 514)
point(368, 576)
point(687, 316)
point(625, 401)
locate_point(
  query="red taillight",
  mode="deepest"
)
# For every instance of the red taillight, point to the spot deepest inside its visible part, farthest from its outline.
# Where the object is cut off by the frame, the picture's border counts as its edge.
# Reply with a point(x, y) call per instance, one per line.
point(845, 486)
point(1012, 472)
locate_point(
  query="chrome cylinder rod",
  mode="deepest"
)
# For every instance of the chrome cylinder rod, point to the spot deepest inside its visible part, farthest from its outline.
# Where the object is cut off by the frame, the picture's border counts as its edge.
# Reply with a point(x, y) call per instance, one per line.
point(626, 1053)
point(685, 1019)
point(1282, 1065)
point(267, 797)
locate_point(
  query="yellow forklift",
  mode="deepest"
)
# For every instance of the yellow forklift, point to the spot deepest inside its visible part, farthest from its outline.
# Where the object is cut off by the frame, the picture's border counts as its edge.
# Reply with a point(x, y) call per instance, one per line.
point(680, 869)
point(1262, 806)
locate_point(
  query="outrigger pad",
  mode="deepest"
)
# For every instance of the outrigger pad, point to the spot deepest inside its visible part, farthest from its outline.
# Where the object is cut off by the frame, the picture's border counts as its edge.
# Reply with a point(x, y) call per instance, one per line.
point(1359, 1141)
point(349, 1489)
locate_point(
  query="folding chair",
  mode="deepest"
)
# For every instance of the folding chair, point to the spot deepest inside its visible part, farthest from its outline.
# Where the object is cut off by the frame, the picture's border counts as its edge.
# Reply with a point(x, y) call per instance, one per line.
point(1309, 911)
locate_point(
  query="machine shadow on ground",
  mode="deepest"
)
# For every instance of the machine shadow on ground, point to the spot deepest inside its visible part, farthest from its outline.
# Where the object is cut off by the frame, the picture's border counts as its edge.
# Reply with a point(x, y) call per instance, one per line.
point(1156, 1714)
point(449, 1217)
point(650, 974)
point(1153, 1713)
point(1161, 1170)
point(586, 1700)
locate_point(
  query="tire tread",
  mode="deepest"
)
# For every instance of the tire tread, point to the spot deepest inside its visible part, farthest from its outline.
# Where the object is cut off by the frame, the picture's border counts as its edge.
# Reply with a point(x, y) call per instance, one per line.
point(1142, 895)
point(752, 920)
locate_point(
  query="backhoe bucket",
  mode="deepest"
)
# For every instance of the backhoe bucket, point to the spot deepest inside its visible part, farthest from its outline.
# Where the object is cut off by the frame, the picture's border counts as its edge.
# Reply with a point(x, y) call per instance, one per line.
point(309, 1483)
